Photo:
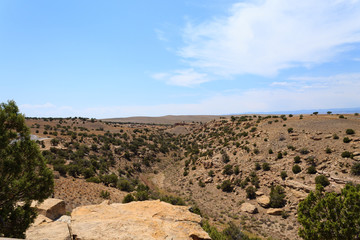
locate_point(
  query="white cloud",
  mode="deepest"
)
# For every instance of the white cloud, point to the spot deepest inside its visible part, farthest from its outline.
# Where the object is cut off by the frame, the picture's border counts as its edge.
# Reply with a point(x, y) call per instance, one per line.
point(264, 37)
point(184, 77)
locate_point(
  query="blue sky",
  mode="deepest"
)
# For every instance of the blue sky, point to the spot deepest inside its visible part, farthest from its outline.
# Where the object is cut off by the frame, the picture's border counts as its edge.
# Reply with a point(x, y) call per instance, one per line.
point(151, 58)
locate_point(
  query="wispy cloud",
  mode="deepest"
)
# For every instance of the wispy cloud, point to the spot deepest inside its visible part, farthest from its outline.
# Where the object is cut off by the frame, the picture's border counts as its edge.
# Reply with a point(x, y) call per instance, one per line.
point(161, 35)
point(265, 37)
point(184, 77)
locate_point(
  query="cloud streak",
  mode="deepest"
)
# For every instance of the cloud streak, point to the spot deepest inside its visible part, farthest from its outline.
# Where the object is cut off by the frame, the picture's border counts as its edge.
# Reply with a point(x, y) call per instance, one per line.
point(267, 36)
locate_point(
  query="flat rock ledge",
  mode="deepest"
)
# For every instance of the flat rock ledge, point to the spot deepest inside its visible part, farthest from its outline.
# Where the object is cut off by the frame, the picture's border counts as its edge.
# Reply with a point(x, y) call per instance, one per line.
point(131, 221)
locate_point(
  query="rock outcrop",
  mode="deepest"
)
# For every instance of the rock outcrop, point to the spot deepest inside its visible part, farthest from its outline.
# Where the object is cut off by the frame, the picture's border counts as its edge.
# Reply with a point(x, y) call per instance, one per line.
point(52, 208)
point(135, 220)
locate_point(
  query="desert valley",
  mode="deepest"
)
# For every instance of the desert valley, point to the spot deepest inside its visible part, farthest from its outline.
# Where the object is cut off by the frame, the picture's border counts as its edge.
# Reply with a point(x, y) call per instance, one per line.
point(249, 171)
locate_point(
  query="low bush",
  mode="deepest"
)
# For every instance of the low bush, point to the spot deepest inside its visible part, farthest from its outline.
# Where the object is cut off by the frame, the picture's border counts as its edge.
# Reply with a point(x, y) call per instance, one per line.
point(350, 131)
point(226, 186)
point(322, 180)
point(266, 166)
point(296, 169)
point(355, 169)
point(250, 192)
point(283, 175)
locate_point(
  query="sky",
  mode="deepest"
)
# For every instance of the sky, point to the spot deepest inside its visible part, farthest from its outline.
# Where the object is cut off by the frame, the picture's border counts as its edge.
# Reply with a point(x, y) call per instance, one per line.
point(115, 58)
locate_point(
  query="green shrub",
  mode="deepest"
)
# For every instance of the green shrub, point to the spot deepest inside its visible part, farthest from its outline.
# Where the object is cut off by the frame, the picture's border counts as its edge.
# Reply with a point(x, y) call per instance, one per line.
point(346, 154)
point(128, 198)
point(277, 197)
point(266, 166)
point(125, 185)
point(279, 155)
point(355, 169)
point(283, 175)
point(226, 186)
point(201, 184)
point(250, 192)
point(290, 130)
point(341, 116)
point(328, 150)
point(350, 131)
point(94, 180)
point(311, 170)
point(228, 169)
point(296, 169)
point(271, 151)
point(105, 194)
point(346, 140)
point(142, 196)
point(257, 166)
point(322, 180)
point(335, 136)
point(236, 170)
point(297, 159)
point(304, 151)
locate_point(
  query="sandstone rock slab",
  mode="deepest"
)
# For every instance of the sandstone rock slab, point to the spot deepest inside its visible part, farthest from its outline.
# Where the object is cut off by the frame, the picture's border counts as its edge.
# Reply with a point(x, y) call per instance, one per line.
point(136, 221)
point(274, 211)
point(49, 231)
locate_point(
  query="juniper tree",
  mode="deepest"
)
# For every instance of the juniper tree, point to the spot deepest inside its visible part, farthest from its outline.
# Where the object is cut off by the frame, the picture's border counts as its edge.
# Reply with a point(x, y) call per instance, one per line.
point(24, 176)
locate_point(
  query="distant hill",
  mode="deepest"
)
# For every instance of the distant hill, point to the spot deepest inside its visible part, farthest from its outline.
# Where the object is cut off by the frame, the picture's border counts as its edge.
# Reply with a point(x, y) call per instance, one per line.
point(170, 119)
point(310, 111)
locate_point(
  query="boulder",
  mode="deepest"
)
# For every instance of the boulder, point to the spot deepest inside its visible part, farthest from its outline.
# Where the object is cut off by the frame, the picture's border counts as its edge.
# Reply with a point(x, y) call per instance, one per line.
point(263, 201)
point(52, 208)
point(249, 208)
point(49, 231)
point(274, 211)
point(357, 158)
point(259, 193)
point(140, 220)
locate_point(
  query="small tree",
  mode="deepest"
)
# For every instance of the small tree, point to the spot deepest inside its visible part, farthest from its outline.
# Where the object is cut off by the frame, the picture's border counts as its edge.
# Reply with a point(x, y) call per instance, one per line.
point(330, 216)
point(24, 176)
